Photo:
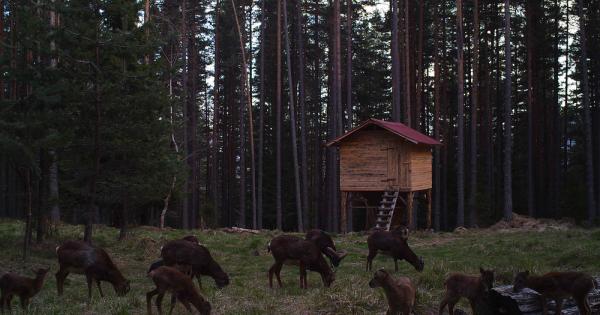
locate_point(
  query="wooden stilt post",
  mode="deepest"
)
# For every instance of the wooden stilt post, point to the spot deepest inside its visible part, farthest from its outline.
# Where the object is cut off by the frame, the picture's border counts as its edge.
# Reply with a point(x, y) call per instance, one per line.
point(409, 206)
point(429, 209)
point(344, 212)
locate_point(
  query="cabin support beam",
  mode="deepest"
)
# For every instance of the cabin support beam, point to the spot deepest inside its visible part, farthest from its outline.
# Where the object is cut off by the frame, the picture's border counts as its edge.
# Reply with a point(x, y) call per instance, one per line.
point(409, 207)
point(428, 199)
point(344, 212)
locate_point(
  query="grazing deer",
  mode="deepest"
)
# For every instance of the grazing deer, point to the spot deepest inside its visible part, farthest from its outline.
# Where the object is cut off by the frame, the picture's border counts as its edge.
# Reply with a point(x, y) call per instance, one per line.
point(394, 244)
point(93, 262)
point(326, 245)
point(13, 284)
point(293, 250)
point(168, 279)
point(400, 292)
point(558, 286)
point(185, 269)
point(474, 288)
point(196, 257)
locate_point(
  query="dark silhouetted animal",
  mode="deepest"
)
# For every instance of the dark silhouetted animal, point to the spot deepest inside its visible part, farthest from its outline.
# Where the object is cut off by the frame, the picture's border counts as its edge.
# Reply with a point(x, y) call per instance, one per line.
point(293, 250)
point(93, 262)
point(184, 253)
point(400, 292)
point(168, 279)
point(394, 244)
point(326, 245)
point(558, 286)
point(12, 284)
point(473, 288)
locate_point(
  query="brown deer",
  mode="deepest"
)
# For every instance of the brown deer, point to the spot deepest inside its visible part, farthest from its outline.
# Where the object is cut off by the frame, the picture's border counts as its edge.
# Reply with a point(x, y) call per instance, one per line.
point(93, 262)
point(291, 250)
point(401, 293)
point(186, 253)
point(395, 244)
point(326, 245)
point(474, 288)
point(558, 286)
point(169, 279)
point(13, 284)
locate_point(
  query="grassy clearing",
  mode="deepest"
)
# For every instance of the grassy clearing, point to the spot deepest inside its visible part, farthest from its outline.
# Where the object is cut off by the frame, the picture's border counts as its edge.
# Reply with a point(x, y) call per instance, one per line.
point(248, 292)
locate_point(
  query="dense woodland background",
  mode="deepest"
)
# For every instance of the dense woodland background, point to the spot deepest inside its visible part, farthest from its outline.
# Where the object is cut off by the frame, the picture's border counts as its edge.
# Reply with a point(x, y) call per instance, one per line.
point(214, 113)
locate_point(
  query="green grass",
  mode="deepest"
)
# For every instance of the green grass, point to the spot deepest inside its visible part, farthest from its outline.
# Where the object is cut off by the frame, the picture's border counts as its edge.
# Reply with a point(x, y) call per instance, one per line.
point(249, 293)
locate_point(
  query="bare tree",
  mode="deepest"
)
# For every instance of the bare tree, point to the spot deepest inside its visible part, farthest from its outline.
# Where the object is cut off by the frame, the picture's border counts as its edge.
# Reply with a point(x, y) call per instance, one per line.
point(508, 205)
point(395, 63)
point(261, 118)
point(587, 118)
point(278, 208)
point(460, 172)
point(474, 108)
point(302, 110)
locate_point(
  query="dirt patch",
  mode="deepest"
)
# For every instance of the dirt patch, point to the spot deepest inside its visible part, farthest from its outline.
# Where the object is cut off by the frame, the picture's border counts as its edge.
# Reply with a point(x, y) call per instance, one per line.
point(521, 222)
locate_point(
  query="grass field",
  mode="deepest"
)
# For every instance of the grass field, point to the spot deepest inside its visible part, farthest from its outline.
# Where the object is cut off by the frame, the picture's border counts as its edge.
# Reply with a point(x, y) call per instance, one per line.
point(248, 293)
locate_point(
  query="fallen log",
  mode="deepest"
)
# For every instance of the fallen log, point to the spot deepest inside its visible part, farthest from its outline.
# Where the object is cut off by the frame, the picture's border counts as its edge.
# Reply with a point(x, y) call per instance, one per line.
point(236, 229)
point(528, 302)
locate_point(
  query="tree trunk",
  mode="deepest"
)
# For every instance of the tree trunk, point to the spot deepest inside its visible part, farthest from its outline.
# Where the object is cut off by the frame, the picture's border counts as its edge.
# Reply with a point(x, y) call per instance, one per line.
point(337, 112)
point(460, 211)
point(474, 107)
point(407, 66)
point(530, 105)
point(261, 118)
point(420, 71)
point(214, 181)
point(302, 109)
point(124, 210)
point(396, 110)
point(278, 206)
point(508, 206)
point(53, 177)
point(28, 214)
point(436, 122)
point(87, 234)
point(292, 120)
point(587, 119)
point(248, 96)
point(348, 65)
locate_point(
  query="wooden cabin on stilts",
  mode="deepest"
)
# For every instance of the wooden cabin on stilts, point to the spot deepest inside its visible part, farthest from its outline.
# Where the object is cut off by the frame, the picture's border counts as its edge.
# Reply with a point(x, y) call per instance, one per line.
point(387, 163)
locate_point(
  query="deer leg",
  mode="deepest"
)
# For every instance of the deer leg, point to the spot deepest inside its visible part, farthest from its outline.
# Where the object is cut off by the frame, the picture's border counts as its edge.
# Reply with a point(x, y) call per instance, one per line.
point(559, 303)
point(61, 275)
point(2, 302)
point(396, 264)
point(89, 280)
point(451, 308)
point(173, 301)
point(583, 305)
point(186, 304)
point(370, 258)
point(24, 302)
point(544, 305)
point(99, 288)
point(443, 305)
point(199, 282)
point(159, 302)
point(275, 269)
point(303, 284)
point(149, 296)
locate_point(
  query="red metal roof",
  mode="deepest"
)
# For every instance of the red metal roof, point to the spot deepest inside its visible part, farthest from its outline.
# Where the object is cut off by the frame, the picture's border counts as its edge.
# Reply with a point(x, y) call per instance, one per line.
point(396, 128)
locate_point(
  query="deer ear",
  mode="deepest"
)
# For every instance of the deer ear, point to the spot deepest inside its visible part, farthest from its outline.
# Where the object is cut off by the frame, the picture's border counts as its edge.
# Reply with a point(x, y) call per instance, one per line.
point(405, 233)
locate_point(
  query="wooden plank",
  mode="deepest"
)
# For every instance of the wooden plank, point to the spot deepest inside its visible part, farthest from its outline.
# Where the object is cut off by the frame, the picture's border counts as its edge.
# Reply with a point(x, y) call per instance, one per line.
point(344, 212)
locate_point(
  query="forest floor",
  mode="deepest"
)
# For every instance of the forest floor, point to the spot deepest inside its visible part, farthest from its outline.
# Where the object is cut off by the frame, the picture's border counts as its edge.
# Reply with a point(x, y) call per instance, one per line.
point(505, 250)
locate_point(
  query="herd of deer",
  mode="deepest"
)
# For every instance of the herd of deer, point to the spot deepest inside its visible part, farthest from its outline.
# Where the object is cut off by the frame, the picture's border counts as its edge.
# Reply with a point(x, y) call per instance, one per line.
point(185, 259)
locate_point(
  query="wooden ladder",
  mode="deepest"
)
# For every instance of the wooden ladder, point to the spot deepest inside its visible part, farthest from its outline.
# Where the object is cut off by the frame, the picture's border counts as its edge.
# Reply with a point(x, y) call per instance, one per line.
point(385, 212)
